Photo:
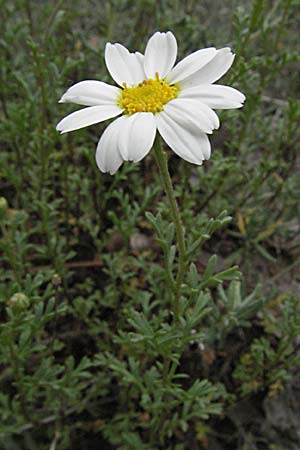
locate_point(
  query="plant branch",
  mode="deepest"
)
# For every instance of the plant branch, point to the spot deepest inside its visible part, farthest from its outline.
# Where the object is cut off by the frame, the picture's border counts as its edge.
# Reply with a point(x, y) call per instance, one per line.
point(162, 162)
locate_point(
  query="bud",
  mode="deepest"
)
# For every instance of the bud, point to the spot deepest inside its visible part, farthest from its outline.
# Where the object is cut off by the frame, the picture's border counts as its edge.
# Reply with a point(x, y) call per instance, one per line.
point(18, 302)
point(3, 207)
point(56, 280)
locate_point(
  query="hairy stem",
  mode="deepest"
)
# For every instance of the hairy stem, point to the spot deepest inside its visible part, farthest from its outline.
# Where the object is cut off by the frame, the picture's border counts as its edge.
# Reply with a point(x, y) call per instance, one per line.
point(162, 162)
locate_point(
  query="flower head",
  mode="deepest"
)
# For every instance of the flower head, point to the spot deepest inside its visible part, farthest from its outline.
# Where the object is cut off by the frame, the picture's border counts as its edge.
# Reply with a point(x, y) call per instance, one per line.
point(153, 94)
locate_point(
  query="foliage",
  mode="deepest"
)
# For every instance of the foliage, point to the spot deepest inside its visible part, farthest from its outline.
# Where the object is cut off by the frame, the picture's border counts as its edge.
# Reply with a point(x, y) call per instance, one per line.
point(90, 356)
point(270, 362)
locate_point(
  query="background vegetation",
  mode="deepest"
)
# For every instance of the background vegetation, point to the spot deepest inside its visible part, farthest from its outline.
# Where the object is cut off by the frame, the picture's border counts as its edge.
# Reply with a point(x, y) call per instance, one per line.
point(89, 356)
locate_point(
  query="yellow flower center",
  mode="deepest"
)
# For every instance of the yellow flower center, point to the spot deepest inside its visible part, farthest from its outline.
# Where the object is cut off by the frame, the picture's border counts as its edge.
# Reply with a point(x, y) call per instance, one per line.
point(149, 96)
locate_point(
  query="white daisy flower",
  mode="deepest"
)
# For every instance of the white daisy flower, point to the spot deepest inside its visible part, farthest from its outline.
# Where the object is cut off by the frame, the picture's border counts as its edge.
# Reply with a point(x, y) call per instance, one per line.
point(153, 94)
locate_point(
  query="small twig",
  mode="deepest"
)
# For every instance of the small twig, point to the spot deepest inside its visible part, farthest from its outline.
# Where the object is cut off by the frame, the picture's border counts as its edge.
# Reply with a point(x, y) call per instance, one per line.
point(284, 271)
point(53, 417)
point(276, 101)
point(53, 444)
point(29, 426)
point(72, 265)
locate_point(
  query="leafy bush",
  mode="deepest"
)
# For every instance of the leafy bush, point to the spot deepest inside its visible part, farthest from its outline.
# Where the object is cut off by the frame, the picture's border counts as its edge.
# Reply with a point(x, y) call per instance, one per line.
point(90, 354)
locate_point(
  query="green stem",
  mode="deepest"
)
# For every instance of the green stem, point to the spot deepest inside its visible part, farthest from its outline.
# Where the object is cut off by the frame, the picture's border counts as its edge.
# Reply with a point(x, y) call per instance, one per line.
point(162, 162)
point(166, 366)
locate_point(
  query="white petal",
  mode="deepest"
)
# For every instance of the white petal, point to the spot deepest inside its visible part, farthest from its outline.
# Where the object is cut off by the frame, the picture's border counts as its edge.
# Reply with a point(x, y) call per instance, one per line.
point(193, 146)
point(215, 96)
point(138, 66)
point(108, 157)
point(124, 67)
point(87, 116)
point(91, 93)
point(141, 58)
point(192, 114)
point(191, 64)
point(137, 136)
point(213, 70)
point(160, 54)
